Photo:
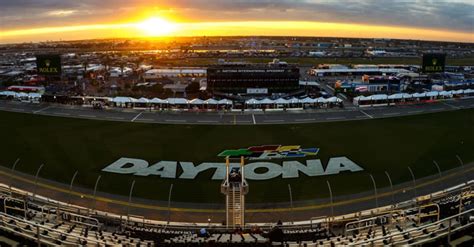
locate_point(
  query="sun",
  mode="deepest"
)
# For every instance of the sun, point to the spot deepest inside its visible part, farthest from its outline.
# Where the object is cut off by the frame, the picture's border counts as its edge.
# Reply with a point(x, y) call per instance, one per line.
point(155, 26)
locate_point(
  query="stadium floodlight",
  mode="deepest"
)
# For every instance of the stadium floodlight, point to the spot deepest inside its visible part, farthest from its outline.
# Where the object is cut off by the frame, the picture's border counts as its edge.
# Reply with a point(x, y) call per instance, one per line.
point(36, 180)
point(70, 186)
point(462, 167)
point(169, 203)
point(330, 196)
point(460, 160)
point(95, 190)
point(437, 167)
point(11, 174)
point(130, 200)
point(375, 191)
point(391, 186)
point(291, 201)
point(414, 180)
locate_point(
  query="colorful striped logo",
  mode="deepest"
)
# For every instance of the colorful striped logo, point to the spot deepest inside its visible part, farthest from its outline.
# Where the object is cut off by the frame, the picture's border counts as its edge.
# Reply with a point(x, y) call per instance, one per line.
point(267, 152)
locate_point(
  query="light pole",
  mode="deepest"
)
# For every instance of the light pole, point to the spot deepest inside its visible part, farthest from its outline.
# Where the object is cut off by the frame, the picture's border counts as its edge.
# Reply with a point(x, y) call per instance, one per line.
point(437, 167)
point(36, 179)
point(11, 174)
point(391, 186)
point(330, 196)
point(414, 181)
point(95, 190)
point(375, 191)
point(70, 186)
point(291, 202)
point(462, 167)
point(130, 200)
point(169, 203)
point(460, 160)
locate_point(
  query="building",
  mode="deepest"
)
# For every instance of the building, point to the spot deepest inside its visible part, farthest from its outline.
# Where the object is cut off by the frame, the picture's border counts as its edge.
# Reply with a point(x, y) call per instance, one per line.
point(253, 79)
point(174, 72)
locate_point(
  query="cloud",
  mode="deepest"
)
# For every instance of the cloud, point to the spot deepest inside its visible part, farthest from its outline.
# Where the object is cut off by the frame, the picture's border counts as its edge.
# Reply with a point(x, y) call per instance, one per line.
point(61, 12)
point(433, 14)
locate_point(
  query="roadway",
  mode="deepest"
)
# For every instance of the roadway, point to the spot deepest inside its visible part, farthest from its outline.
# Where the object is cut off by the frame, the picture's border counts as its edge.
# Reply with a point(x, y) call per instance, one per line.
point(234, 118)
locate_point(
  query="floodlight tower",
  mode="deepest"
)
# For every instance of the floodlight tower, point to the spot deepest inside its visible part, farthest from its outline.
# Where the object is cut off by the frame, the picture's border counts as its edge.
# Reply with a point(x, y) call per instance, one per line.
point(235, 187)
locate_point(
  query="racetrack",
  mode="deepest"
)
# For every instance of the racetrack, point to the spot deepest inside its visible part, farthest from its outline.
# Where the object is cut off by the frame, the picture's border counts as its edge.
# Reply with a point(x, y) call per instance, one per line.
point(69, 144)
point(237, 118)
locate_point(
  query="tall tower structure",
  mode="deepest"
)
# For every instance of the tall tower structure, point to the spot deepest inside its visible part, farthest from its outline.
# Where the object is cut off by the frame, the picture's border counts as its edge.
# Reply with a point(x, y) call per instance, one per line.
point(235, 187)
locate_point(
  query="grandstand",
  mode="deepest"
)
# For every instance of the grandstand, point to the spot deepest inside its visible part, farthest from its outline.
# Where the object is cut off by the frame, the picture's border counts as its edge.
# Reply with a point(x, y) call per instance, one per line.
point(439, 218)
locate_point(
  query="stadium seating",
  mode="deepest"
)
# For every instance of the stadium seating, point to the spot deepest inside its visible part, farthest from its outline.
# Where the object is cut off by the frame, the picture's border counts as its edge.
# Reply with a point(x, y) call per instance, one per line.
point(427, 220)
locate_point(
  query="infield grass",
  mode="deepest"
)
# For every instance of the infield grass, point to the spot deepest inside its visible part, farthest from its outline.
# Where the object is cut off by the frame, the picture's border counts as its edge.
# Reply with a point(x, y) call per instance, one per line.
point(65, 145)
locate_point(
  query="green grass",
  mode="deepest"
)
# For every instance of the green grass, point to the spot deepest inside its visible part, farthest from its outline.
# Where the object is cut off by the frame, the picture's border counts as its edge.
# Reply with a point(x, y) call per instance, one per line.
point(66, 145)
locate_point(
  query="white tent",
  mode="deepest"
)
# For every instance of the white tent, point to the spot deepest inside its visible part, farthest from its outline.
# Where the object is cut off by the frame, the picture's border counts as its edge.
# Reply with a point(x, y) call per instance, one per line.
point(334, 100)
point(308, 100)
point(467, 91)
point(460, 91)
point(294, 100)
point(445, 93)
point(281, 101)
point(196, 102)
point(211, 101)
point(34, 95)
point(158, 101)
point(251, 102)
point(379, 97)
point(396, 96)
point(123, 100)
point(432, 94)
point(8, 93)
point(321, 100)
point(143, 100)
point(407, 96)
point(419, 95)
point(177, 101)
point(225, 102)
point(266, 101)
point(21, 95)
point(362, 98)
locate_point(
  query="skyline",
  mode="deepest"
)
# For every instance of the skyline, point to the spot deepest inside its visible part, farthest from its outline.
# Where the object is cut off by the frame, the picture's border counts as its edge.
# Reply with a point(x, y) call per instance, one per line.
point(41, 20)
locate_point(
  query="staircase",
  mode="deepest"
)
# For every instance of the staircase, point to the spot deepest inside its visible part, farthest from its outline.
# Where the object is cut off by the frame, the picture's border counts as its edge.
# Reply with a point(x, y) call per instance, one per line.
point(234, 206)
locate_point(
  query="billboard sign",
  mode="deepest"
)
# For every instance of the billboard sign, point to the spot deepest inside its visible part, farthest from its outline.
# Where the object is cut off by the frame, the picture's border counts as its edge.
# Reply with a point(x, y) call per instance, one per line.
point(257, 90)
point(48, 65)
point(433, 62)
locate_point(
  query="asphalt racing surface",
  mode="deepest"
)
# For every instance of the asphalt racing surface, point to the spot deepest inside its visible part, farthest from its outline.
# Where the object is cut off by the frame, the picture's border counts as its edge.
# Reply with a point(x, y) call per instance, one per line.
point(232, 118)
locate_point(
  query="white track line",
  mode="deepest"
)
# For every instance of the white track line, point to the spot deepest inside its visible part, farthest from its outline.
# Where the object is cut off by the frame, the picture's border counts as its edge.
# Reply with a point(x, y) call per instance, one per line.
point(88, 116)
point(253, 118)
point(175, 120)
point(335, 118)
point(117, 118)
point(40, 110)
point(365, 113)
point(61, 113)
point(391, 114)
point(452, 106)
point(207, 121)
point(305, 120)
point(273, 120)
point(137, 116)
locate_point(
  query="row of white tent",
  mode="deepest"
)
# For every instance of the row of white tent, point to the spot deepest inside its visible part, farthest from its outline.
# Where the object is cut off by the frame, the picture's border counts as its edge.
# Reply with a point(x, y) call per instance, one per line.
point(398, 96)
point(282, 101)
point(20, 94)
point(170, 101)
point(182, 101)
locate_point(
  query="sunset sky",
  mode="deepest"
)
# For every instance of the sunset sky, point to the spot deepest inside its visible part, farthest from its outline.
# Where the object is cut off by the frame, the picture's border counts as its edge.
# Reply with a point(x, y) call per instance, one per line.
point(40, 20)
